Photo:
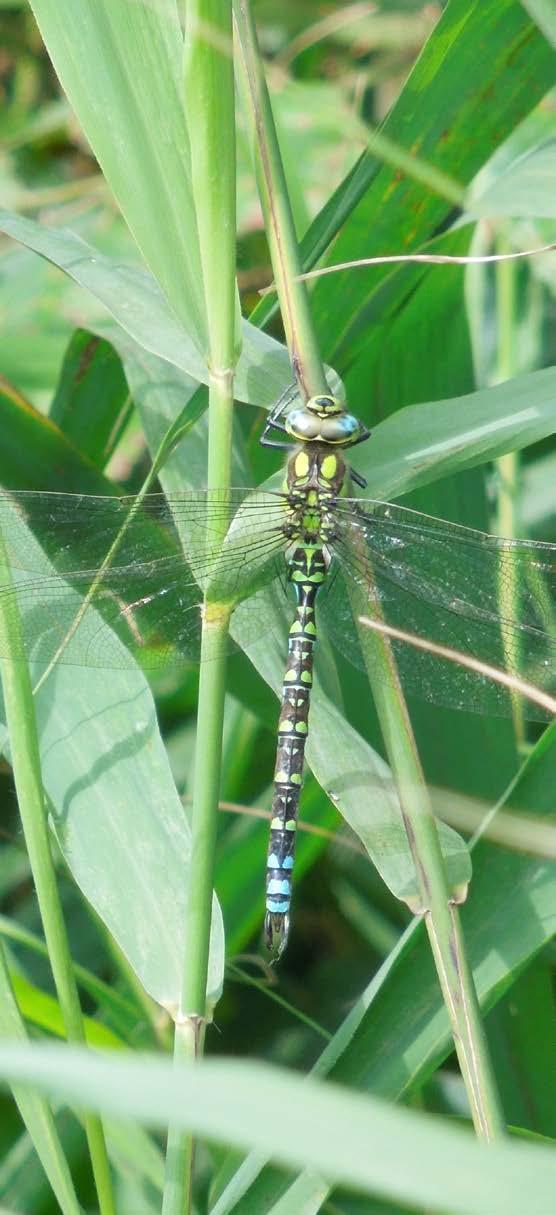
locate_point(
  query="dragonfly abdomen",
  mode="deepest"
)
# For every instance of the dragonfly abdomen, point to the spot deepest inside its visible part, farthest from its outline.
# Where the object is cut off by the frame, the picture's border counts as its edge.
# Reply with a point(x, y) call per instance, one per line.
point(308, 566)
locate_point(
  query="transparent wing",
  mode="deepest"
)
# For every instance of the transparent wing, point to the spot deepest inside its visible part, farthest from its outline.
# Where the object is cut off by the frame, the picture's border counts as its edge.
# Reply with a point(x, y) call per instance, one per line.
point(491, 598)
point(103, 582)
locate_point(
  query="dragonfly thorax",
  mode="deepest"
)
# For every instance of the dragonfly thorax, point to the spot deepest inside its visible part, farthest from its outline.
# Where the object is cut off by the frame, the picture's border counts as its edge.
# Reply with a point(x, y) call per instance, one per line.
point(315, 468)
point(315, 478)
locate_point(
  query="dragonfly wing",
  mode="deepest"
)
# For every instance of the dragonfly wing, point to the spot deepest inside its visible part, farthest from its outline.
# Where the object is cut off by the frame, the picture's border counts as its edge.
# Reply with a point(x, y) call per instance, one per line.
point(113, 581)
point(491, 598)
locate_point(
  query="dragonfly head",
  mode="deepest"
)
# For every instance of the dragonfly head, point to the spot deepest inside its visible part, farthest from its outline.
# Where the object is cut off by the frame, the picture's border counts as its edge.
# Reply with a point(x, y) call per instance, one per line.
point(323, 419)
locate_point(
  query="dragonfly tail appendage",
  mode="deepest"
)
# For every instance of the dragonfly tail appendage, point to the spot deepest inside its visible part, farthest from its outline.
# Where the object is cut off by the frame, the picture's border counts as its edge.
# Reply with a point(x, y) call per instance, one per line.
point(307, 571)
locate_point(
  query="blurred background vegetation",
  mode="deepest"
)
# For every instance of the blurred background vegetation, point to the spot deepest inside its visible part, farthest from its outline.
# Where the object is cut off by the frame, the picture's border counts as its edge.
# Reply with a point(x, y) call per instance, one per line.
point(335, 71)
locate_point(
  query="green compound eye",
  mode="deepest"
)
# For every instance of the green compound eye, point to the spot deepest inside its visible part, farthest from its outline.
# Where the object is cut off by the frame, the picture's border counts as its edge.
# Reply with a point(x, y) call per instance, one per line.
point(332, 426)
point(344, 427)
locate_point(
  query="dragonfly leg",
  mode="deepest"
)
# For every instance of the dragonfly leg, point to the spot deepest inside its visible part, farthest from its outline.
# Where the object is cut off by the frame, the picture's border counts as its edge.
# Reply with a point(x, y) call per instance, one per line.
point(359, 480)
point(276, 443)
point(365, 434)
point(283, 400)
point(269, 425)
point(273, 420)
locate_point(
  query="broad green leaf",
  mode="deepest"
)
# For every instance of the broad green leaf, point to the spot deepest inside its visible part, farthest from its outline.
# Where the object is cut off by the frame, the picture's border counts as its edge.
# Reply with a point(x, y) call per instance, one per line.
point(446, 452)
point(34, 1109)
point(117, 814)
point(521, 189)
point(523, 1049)
point(34, 452)
point(442, 115)
point(544, 14)
point(32, 300)
point(114, 1007)
point(134, 299)
point(419, 444)
point(123, 61)
point(402, 310)
point(325, 1128)
point(92, 402)
point(43, 1010)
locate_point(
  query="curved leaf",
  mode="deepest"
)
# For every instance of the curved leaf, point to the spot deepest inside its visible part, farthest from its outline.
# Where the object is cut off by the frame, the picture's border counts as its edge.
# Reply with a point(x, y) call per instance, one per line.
point(120, 66)
point(116, 812)
point(134, 299)
point(323, 1127)
point(421, 443)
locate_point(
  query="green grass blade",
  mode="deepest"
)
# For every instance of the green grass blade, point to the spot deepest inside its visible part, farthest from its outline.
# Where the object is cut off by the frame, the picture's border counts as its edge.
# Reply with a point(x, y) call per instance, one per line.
point(326, 1128)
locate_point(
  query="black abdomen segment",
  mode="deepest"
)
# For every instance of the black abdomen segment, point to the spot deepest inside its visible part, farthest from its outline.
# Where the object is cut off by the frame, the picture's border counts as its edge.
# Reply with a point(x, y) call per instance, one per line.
point(307, 572)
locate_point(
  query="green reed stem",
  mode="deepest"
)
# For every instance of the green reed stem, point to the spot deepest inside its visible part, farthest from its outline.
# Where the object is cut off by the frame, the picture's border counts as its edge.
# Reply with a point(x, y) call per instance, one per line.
point(277, 210)
point(442, 921)
point(35, 1110)
point(508, 465)
point(435, 900)
point(209, 104)
point(25, 757)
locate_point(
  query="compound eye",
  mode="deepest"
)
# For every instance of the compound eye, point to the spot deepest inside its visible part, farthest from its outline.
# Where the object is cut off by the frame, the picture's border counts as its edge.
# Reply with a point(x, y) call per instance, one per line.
point(350, 424)
point(301, 424)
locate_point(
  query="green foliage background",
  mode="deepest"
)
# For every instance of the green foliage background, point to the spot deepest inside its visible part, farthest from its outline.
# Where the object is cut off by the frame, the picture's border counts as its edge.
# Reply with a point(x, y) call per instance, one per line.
point(96, 362)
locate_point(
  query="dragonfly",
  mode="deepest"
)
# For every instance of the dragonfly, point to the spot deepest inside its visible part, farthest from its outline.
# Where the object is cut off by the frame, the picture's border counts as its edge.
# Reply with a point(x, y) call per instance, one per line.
point(112, 581)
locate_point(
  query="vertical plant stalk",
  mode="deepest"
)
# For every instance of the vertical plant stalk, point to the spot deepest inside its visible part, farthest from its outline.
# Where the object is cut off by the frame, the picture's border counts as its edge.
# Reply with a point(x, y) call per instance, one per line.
point(34, 1110)
point(277, 211)
point(24, 745)
point(507, 465)
point(210, 113)
point(442, 921)
point(435, 901)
